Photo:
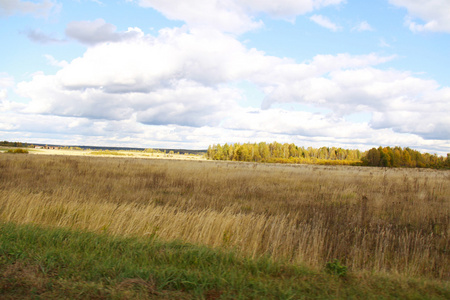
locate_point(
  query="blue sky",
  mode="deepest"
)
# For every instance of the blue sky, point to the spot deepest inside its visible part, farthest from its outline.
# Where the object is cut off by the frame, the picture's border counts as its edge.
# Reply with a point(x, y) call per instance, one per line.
point(187, 74)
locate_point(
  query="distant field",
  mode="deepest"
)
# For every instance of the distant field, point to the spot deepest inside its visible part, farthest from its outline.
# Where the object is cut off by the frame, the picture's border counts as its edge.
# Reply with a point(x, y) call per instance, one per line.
point(371, 219)
point(113, 153)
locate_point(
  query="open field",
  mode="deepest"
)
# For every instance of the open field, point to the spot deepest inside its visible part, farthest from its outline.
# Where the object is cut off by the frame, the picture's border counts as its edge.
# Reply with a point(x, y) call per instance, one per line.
point(109, 153)
point(115, 153)
point(377, 220)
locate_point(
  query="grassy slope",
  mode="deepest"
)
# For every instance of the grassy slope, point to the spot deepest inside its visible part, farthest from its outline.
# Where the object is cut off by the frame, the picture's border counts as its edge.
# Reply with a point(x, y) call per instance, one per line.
point(37, 262)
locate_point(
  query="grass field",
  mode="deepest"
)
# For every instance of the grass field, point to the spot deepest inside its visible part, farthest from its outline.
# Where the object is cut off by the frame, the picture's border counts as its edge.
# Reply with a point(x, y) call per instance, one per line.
point(43, 263)
point(390, 222)
point(110, 153)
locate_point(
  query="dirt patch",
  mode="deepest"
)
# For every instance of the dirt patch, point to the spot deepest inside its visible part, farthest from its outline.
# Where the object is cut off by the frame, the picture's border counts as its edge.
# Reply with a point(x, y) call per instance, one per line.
point(21, 276)
point(139, 284)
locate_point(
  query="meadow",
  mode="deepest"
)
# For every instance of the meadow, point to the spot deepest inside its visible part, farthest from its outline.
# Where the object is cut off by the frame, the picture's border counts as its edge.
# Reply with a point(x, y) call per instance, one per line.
point(372, 220)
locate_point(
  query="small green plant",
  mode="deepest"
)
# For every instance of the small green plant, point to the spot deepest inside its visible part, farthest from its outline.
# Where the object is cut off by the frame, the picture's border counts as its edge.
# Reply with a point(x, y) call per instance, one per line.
point(24, 151)
point(226, 237)
point(336, 268)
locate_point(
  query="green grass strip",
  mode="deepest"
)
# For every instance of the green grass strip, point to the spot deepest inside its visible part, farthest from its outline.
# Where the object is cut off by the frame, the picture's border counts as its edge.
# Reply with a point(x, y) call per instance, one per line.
point(48, 263)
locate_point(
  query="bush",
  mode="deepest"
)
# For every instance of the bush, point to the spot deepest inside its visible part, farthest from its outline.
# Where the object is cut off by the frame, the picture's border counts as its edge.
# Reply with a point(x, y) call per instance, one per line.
point(18, 151)
point(335, 268)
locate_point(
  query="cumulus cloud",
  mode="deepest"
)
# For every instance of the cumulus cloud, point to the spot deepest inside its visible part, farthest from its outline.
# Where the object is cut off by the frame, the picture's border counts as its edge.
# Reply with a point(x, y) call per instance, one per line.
point(397, 100)
point(225, 16)
point(98, 31)
point(52, 129)
point(53, 62)
point(6, 80)
point(39, 9)
point(325, 22)
point(206, 57)
point(435, 14)
point(188, 104)
point(180, 86)
point(287, 8)
point(233, 15)
point(3, 94)
point(162, 80)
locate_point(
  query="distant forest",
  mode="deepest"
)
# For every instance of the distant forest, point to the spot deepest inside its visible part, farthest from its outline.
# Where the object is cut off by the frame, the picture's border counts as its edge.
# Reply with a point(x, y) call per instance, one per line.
point(290, 153)
point(14, 144)
point(26, 145)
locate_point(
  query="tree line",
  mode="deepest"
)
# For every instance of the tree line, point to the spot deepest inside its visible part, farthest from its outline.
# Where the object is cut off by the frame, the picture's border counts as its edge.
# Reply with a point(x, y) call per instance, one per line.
point(283, 153)
point(404, 157)
point(290, 153)
point(14, 144)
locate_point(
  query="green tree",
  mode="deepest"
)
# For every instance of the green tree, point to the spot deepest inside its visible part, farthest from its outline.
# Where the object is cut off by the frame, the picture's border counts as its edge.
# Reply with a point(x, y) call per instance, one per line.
point(385, 157)
point(372, 158)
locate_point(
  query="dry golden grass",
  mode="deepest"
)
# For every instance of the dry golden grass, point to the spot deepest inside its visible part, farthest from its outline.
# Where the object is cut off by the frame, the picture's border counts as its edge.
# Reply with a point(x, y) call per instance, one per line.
point(382, 220)
point(108, 153)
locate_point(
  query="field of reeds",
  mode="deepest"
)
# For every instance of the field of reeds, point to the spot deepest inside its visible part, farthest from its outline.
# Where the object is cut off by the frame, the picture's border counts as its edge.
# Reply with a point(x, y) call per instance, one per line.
point(371, 219)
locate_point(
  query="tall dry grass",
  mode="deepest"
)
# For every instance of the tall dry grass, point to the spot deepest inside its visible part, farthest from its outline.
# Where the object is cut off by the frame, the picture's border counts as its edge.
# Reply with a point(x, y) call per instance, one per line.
point(382, 220)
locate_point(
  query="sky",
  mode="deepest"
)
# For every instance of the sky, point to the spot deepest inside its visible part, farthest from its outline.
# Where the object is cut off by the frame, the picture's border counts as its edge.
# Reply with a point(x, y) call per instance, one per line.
point(188, 74)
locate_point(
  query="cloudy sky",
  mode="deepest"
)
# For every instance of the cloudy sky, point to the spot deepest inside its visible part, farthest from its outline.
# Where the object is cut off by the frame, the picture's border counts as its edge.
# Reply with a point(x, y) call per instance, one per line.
point(187, 74)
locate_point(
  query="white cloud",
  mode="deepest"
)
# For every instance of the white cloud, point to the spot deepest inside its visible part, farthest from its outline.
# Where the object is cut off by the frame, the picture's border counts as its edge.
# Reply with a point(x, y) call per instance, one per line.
point(188, 104)
point(397, 100)
point(435, 14)
point(180, 88)
point(150, 63)
point(174, 78)
point(40, 9)
point(53, 62)
point(3, 94)
point(50, 129)
point(287, 8)
point(325, 22)
point(225, 16)
point(98, 31)
point(6, 84)
point(6, 80)
point(232, 15)
point(363, 26)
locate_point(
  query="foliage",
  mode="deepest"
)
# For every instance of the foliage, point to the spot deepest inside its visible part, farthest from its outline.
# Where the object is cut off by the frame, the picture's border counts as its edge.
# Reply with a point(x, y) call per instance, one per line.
point(283, 153)
point(20, 151)
point(14, 144)
point(404, 157)
point(336, 268)
point(149, 150)
point(290, 153)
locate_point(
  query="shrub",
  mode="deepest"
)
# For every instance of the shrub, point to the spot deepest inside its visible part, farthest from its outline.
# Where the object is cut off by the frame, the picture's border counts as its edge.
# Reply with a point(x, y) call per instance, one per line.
point(18, 151)
point(335, 268)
